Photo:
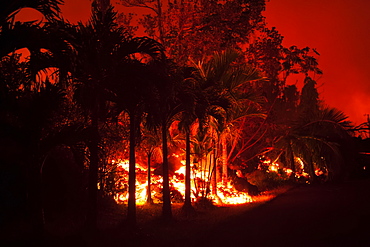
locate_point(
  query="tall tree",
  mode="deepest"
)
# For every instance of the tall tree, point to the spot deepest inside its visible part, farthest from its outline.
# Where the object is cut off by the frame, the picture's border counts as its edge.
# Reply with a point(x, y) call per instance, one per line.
point(151, 142)
point(187, 118)
point(133, 90)
point(309, 101)
point(28, 119)
point(225, 84)
point(23, 100)
point(193, 29)
point(164, 106)
point(106, 71)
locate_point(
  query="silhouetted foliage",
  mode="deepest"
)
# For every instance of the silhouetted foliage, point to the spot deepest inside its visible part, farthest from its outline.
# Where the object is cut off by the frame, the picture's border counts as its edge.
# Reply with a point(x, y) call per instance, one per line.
point(210, 72)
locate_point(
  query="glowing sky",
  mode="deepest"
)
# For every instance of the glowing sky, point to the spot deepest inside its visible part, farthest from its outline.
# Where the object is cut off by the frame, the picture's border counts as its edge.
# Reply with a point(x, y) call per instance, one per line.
point(337, 29)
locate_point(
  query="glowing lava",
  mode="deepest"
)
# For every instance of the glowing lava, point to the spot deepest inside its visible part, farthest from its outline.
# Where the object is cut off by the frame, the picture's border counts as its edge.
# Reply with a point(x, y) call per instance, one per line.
point(226, 193)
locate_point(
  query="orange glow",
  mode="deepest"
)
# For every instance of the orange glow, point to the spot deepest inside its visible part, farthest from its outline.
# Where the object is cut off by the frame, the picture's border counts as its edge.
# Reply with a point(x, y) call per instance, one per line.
point(278, 169)
point(342, 23)
point(226, 194)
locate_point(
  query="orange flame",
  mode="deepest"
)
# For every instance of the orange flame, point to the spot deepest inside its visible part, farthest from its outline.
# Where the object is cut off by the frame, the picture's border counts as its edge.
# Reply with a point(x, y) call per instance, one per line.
point(226, 194)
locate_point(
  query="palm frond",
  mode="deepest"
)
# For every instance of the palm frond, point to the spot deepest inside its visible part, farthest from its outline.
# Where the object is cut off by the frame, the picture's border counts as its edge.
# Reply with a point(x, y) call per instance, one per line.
point(49, 8)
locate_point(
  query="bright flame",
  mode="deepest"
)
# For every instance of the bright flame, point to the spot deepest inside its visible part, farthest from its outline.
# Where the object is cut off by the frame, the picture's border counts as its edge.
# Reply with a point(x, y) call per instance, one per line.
point(226, 194)
point(302, 174)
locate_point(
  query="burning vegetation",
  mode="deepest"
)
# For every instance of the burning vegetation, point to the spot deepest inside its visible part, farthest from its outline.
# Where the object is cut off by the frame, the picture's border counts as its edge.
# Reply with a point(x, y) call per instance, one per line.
point(236, 190)
point(197, 113)
point(222, 194)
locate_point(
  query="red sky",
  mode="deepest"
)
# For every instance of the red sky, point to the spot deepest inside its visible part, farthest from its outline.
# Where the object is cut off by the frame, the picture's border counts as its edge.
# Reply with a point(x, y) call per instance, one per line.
point(337, 29)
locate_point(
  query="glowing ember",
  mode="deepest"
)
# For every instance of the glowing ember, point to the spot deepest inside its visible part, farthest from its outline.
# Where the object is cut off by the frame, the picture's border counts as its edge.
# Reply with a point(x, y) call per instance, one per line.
point(287, 171)
point(275, 167)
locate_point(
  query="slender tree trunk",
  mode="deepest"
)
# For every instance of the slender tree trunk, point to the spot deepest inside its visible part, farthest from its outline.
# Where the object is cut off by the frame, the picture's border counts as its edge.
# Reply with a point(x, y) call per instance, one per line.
point(214, 174)
point(219, 164)
point(131, 210)
point(92, 212)
point(160, 22)
point(35, 200)
point(224, 161)
point(188, 208)
point(210, 173)
point(166, 210)
point(149, 199)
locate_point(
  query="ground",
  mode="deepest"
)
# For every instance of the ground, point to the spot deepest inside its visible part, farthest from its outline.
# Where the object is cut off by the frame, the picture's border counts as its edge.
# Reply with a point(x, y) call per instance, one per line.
point(319, 215)
point(306, 215)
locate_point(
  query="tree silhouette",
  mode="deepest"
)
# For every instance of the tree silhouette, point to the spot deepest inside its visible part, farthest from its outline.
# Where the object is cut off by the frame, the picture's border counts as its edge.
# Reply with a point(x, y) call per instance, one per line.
point(133, 90)
point(151, 142)
point(315, 138)
point(194, 29)
point(165, 104)
point(27, 119)
point(103, 63)
point(224, 84)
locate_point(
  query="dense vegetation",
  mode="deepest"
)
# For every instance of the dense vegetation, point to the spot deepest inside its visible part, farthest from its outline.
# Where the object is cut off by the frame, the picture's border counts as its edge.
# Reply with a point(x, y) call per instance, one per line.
point(209, 83)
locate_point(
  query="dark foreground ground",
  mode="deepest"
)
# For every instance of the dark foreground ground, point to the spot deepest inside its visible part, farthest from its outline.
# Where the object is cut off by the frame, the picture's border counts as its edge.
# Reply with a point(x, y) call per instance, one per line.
point(320, 215)
point(316, 215)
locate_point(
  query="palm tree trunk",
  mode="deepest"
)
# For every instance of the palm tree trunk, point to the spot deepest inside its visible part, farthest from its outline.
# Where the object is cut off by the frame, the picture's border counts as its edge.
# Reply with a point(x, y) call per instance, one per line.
point(166, 210)
point(224, 161)
point(35, 200)
point(91, 220)
point(214, 174)
point(149, 199)
point(131, 210)
point(188, 208)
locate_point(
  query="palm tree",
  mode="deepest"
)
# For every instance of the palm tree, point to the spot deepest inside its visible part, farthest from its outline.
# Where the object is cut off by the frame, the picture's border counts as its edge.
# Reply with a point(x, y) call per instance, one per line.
point(106, 71)
point(190, 95)
point(186, 125)
point(45, 42)
point(225, 84)
point(211, 91)
point(202, 147)
point(151, 142)
point(27, 120)
point(132, 88)
point(165, 104)
point(49, 8)
point(316, 142)
point(29, 35)
point(33, 106)
point(92, 43)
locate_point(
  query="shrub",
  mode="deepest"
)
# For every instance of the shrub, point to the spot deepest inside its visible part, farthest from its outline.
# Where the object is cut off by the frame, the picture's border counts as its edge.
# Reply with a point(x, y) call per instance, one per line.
point(266, 180)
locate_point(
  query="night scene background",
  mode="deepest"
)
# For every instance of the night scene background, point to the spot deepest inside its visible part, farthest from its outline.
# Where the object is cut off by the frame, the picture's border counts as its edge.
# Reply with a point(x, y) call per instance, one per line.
point(184, 123)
